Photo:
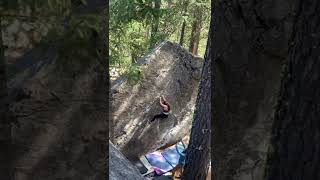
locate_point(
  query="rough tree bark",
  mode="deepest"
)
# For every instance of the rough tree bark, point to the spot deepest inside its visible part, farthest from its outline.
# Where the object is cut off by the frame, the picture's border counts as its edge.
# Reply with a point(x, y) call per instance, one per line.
point(198, 152)
point(5, 123)
point(250, 43)
point(106, 75)
point(295, 148)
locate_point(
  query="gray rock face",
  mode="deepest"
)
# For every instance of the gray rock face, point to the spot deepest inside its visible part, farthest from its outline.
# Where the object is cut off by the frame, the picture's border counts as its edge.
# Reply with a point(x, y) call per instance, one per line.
point(168, 70)
point(60, 129)
point(120, 168)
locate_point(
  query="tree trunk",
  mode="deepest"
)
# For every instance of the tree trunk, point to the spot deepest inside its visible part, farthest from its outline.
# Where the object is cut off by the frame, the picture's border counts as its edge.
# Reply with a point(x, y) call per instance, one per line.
point(295, 147)
point(195, 32)
point(5, 123)
point(250, 44)
point(198, 152)
point(133, 58)
point(182, 32)
point(185, 4)
point(170, 3)
point(155, 24)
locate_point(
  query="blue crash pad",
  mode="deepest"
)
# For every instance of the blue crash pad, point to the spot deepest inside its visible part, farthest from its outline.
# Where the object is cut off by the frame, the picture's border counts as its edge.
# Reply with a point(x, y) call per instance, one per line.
point(164, 161)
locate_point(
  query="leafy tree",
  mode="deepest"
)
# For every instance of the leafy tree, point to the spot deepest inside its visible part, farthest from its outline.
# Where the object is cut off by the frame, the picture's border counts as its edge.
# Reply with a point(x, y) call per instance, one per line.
point(136, 26)
point(198, 9)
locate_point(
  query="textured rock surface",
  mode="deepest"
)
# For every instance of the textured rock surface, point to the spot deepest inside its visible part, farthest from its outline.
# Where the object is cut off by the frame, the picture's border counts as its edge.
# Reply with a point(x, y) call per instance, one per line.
point(250, 41)
point(61, 117)
point(168, 70)
point(120, 168)
point(58, 96)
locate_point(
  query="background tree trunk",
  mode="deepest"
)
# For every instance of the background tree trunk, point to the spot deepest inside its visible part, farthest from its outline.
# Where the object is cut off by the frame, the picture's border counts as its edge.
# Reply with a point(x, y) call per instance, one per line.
point(250, 44)
point(295, 148)
point(185, 4)
point(195, 32)
point(182, 33)
point(155, 24)
point(170, 3)
point(5, 123)
point(198, 152)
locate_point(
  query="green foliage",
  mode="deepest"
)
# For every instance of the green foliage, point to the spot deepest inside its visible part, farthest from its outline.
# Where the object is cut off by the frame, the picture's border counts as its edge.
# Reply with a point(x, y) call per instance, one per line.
point(53, 7)
point(131, 22)
point(129, 30)
point(134, 74)
point(69, 30)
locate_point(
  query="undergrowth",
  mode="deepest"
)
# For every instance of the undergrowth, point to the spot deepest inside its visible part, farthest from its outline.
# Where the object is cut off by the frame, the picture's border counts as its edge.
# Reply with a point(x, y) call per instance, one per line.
point(133, 74)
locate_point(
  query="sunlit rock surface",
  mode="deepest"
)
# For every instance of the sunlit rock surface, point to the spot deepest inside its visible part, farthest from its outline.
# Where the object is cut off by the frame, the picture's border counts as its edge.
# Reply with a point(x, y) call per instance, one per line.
point(168, 70)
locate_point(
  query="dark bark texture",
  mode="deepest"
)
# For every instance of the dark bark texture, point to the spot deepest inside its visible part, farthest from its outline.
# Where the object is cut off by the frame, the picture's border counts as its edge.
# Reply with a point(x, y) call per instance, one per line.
point(295, 148)
point(106, 75)
point(198, 152)
point(5, 119)
point(250, 44)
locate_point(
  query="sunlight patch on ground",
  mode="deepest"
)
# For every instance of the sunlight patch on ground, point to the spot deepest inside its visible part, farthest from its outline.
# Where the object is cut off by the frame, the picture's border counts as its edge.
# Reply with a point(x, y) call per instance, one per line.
point(129, 128)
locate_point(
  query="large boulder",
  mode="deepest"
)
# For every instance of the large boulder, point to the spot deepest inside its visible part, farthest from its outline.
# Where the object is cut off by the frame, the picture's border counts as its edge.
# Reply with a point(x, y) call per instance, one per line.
point(120, 168)
point(60, 130)
point(168, 70)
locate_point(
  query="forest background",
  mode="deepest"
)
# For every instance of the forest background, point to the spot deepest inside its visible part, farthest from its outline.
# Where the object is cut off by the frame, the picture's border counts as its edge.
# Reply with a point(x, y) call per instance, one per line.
point(137, 26)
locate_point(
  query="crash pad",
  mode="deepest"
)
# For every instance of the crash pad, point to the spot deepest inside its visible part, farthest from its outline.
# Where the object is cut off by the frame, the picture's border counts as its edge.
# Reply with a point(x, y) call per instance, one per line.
point(166, 160)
